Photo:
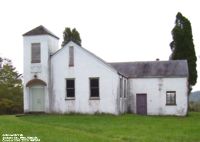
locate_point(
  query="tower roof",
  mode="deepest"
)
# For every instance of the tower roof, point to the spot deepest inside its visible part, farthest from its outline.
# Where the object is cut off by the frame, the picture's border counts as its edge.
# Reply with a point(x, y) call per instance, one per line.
point(40, 30)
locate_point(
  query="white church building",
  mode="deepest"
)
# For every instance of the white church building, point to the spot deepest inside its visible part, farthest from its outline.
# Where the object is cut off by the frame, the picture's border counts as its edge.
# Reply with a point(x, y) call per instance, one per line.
point(71, 79)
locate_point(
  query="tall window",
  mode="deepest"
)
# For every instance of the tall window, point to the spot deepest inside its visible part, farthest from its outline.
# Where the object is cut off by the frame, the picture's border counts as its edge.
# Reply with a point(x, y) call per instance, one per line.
point(35, 53)
point(125, 88)
point(70, 88)
point(171, 98)
point(94, 87)
point(121, 87)
point(71, 56)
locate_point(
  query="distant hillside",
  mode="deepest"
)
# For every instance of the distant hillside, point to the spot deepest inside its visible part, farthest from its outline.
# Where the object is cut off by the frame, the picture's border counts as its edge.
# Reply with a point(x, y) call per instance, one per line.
point(194, 96)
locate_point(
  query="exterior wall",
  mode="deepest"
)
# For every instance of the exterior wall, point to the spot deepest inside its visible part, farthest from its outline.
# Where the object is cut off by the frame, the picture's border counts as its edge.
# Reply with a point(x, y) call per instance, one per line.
point(156, 88)
point(85, 66)
point(55, 70)
point(52, 44)
point(48, 45)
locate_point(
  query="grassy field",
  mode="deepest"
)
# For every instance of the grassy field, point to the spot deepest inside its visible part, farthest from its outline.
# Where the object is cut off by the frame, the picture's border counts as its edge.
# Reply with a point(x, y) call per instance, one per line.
point(104, 128)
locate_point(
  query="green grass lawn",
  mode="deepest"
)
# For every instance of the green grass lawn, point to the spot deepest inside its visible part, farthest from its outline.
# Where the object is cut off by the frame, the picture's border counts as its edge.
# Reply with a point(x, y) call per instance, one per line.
point(104, 128)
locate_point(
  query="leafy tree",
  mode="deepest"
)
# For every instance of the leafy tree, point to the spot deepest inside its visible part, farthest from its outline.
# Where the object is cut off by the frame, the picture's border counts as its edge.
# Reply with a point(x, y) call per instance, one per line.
point(11, 94)
point(71, 35)
point(182, 46)
point(1, 61)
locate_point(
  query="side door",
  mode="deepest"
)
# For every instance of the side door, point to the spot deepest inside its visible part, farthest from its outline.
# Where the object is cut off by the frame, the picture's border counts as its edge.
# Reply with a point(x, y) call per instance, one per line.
point(141, 104)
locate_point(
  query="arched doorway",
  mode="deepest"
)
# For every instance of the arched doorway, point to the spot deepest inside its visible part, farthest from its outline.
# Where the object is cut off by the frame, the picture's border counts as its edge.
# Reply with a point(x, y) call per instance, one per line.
point(36, 95)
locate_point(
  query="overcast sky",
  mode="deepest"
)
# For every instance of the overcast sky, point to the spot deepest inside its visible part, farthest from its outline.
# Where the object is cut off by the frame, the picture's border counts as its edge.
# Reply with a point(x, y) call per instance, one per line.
point(115, 30)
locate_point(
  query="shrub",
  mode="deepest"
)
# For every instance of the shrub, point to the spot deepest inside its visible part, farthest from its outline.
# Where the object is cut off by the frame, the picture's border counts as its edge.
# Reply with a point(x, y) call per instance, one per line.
point(8, 106)
point(194, 106)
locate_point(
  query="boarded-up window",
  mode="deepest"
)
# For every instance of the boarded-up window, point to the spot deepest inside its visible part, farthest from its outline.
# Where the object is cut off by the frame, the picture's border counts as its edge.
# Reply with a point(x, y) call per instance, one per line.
point(70, 88)
point(94, 87)
point(171, 98)
point(71, 56)
point(35, 53)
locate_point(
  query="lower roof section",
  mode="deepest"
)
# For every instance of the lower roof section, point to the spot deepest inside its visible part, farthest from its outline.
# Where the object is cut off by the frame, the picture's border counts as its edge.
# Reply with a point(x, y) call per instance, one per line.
point(150, 69)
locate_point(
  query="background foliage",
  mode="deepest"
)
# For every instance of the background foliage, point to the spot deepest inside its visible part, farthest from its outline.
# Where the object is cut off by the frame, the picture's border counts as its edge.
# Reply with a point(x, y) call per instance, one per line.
point(11, 93)
point(71, 35)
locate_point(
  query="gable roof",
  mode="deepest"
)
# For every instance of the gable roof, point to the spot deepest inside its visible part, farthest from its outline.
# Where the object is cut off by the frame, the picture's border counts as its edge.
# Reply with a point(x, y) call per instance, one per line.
point(40, 30)
point(148, 69)
point(87, 51)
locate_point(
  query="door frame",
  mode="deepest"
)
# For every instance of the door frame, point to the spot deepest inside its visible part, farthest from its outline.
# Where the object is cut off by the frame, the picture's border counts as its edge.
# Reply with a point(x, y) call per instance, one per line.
point(137, 103)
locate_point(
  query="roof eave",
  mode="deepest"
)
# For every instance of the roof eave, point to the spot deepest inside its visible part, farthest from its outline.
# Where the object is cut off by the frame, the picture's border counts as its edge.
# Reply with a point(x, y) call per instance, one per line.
point(183, 76)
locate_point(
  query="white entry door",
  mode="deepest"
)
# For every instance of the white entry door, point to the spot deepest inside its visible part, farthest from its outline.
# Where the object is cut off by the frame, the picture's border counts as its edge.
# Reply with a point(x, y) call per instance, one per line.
point(37, 99)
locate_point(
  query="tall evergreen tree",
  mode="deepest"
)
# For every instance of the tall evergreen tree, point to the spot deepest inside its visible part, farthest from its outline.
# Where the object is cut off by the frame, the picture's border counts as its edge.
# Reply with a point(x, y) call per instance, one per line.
point(71, 35)
point(182, 46)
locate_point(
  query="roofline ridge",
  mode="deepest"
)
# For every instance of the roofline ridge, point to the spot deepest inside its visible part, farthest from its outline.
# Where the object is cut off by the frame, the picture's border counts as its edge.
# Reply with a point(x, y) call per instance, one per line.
point(48, 32)
point(147, 61)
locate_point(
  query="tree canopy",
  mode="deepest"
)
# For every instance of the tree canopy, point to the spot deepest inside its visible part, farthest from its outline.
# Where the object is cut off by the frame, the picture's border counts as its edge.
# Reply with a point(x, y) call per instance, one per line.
point(182, 46)
point(11, 94)
point(71, 35)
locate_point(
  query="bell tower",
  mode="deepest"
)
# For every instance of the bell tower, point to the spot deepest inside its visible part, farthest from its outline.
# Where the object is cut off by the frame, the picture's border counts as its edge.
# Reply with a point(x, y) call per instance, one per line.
point(39, 45)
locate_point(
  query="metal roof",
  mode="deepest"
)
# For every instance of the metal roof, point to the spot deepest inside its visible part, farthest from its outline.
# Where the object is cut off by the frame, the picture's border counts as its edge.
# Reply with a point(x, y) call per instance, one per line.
point(40, 30)
point(148, 69)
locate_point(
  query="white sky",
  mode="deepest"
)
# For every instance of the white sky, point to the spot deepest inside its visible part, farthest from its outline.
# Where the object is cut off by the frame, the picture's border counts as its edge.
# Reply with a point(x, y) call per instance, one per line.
point(115, 30)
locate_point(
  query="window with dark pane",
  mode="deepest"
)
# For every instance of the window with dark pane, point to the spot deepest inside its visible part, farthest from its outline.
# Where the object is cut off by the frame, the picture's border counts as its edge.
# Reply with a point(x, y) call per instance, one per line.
point(35, 53)
point(171, 98)
point(70, 86)
point(125, 88)
point(121, 87)
point(94, 87)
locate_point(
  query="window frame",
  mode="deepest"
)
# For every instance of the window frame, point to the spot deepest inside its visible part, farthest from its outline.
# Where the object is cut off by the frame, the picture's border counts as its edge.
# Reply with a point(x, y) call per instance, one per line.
point(32, 56)
point(66, 97)
point(94, 97)
point(170, 98)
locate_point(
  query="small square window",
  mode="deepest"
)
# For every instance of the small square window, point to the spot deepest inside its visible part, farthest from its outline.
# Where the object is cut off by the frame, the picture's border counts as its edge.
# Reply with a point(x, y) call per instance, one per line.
point(171, 98)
